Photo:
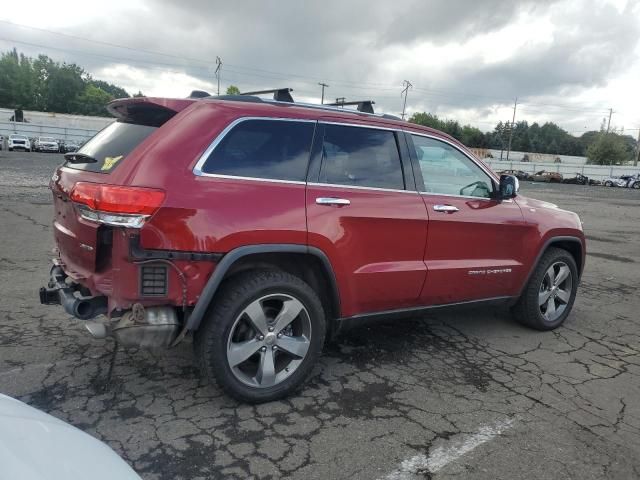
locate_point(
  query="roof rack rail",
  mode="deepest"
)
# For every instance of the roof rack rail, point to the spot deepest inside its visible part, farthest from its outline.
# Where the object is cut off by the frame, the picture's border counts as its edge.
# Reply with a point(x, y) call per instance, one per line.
point(365, 106)
point(279, 94)
point(283, 97)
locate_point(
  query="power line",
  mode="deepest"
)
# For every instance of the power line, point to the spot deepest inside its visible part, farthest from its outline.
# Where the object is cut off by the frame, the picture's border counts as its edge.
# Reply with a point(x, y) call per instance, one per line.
point(269, 74)
point(218, 72)
point(513, 121)
point(407, 85)
point(244, 71)
point(323, 85)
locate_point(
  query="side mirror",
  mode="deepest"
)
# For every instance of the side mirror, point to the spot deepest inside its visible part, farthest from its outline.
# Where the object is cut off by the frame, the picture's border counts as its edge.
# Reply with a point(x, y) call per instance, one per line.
point(509, 186)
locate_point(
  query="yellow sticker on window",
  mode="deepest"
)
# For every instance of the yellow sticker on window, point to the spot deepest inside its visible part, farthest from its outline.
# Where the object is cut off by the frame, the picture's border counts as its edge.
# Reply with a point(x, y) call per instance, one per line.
point(109, 162)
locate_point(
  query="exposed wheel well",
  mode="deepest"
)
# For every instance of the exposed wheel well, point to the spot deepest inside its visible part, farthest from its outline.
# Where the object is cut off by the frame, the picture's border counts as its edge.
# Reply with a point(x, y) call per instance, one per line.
point(308, 267)
point(571, 246)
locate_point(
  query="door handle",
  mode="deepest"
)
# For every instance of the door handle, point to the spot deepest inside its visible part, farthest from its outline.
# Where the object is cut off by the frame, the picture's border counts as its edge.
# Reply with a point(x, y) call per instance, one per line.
point(445, 208)
point(339, 202)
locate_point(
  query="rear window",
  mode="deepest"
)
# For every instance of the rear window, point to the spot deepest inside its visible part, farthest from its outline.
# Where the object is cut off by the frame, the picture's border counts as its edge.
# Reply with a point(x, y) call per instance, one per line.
point(269, 149)
point(111, 146)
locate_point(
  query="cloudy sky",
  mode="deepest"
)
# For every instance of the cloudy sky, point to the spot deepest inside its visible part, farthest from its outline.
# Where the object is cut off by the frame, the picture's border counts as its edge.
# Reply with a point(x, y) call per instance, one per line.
point(567, 61)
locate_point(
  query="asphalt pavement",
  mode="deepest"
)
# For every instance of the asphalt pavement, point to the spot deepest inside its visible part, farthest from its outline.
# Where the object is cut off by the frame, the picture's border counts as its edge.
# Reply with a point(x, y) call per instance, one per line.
point(469, 394)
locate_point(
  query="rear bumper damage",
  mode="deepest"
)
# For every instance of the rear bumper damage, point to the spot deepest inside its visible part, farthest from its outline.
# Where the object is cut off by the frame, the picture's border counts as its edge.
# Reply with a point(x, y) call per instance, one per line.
point(75, 299)
point(149, 327)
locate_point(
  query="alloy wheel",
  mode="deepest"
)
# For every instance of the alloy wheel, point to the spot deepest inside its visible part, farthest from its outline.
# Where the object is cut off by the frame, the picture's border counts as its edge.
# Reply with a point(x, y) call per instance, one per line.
point(269, 340)
point(555, 291)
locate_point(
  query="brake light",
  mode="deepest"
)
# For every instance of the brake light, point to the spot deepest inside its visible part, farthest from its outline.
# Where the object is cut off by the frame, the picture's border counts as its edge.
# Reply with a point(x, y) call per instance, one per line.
point(116, 205)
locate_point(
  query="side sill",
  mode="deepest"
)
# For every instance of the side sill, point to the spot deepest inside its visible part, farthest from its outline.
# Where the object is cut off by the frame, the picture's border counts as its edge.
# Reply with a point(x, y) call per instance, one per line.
point(347, 323)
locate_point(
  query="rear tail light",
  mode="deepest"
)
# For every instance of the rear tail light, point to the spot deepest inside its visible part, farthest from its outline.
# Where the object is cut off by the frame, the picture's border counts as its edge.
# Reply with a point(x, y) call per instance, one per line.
point(116, 205)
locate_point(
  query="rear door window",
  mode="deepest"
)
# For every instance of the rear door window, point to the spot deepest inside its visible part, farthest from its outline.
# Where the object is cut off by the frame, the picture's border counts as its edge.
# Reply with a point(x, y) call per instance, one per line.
point(270, 149)
point(363, 157)
point(110, 146)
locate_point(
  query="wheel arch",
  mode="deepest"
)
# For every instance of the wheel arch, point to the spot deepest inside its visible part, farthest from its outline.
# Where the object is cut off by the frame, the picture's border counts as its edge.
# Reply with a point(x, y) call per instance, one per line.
point(309, 263)
point(573, 245)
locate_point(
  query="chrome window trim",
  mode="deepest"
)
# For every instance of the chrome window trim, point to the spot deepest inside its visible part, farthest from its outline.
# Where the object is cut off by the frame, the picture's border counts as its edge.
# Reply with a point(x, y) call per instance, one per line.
point(197, 170)
point(491, 175)
point(489, 199)
point(253, 179)
point(359, 187)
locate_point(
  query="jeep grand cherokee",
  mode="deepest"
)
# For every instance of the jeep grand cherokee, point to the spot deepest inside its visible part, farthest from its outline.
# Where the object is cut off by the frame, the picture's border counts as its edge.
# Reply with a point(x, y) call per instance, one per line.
point(263, 227)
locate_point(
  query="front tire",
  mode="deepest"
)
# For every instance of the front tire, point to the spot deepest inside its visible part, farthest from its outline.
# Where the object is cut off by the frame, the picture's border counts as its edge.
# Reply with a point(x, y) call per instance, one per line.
point(636, 185)
point(548, 297)
point(608, 184)
point(262, 336)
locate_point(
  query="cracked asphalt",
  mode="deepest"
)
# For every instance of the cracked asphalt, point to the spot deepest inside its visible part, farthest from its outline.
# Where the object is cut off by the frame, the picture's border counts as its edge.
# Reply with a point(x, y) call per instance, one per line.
point(469, 394)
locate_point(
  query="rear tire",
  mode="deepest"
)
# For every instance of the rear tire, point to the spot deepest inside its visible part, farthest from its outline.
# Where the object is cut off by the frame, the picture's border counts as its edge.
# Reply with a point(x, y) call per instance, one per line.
point(608, 184)
point(242, 344)
point(548, 297)
point(636, 185)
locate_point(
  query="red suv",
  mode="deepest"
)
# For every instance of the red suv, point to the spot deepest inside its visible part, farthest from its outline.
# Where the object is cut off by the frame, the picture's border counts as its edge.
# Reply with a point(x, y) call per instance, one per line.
point(263, 227)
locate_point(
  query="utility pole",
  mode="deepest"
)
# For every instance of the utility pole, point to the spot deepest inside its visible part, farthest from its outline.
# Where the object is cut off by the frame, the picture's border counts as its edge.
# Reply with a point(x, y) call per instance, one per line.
point(635, 163)
point(609, 122)
point(513, 121)
point(407, 85)
point(218, 72)
point(323, 85)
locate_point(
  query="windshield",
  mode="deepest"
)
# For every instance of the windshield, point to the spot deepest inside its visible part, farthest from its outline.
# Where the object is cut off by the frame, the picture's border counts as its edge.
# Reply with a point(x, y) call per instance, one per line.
point(111, 146)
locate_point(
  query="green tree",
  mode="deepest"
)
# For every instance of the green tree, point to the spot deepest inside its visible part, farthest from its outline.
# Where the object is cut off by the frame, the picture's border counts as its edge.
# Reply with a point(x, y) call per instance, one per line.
point(64, 85)
point(233, 90)
point(42, 84)
point(468, 135)
point(608, 149)
point(139, 94)
point(93, 101)
point(111, 89)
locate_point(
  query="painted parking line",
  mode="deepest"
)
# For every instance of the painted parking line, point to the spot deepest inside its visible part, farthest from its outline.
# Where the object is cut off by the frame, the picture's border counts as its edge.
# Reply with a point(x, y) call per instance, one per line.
point(448, 452)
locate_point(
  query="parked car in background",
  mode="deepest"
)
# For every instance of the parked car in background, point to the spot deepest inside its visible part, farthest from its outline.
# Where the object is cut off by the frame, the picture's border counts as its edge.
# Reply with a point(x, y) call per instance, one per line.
point(18, 142)
point(519, 174)
point(37, 446)
point(69, 146)
point(1, 142)
point(545, 176)
point(634, 182)
point(46, 144)
point(618, 181)
point(579, 179)
point(264, 227)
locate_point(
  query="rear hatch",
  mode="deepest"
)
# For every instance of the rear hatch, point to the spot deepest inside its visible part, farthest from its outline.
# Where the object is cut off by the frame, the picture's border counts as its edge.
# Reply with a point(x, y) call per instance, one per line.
point(84, 246)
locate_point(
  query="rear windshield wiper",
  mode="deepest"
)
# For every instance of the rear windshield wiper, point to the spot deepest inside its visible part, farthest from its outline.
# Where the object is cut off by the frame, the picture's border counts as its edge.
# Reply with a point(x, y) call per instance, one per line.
point(74, 157)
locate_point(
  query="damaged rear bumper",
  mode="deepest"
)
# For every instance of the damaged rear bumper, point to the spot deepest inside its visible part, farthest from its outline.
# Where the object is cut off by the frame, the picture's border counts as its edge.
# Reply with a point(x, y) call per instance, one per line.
point(72, 296)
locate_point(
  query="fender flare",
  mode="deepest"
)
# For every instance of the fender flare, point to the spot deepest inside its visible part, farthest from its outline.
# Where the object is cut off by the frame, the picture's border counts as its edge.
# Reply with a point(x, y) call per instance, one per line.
point(216, 278)
point(544, 248)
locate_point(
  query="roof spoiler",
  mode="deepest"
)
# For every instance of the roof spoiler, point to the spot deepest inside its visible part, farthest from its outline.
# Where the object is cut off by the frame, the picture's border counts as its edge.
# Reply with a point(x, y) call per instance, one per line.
point(147, 110)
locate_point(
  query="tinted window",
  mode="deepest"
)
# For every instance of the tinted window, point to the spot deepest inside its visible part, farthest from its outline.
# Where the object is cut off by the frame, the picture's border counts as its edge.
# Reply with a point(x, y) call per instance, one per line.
point(447, 170)
point(273, 149)
point(111, 145)
point(361, 157)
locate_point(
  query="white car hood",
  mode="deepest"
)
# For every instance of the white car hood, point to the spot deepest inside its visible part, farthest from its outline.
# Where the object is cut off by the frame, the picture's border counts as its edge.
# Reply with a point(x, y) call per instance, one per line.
point(37, 446)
